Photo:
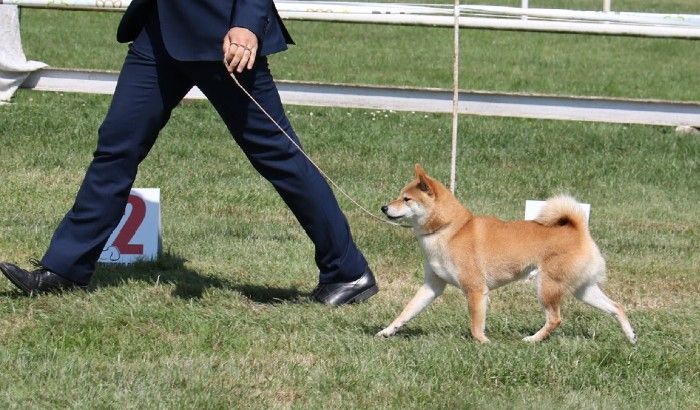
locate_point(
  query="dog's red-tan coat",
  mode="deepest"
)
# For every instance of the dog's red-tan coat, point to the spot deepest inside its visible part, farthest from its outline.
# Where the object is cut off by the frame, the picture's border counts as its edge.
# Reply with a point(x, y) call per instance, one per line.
point(480, 253)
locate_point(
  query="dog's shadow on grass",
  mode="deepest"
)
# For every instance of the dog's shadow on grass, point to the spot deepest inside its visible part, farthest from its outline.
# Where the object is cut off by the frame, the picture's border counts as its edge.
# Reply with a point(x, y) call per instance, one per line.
point(188, 284)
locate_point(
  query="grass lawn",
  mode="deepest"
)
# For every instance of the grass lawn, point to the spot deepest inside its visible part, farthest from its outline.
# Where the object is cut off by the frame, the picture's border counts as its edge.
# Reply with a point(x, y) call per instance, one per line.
point(569, 64)
point(222, 320)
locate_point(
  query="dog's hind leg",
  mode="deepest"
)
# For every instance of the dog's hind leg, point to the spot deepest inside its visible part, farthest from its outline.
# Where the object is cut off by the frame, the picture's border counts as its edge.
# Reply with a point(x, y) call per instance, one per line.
point(478, 301)
point(549, 293)
point(593, 295)
point(432, 288)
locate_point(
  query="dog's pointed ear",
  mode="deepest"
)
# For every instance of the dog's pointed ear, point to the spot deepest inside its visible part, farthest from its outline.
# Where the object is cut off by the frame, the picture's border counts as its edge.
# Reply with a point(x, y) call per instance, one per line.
point(419, 171)
point(424, 183)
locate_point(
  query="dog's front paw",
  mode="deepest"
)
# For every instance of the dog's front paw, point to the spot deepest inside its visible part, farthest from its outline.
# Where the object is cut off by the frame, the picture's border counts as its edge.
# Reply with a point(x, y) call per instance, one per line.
point(387, 332)
point(531, 339)
point(482, 339)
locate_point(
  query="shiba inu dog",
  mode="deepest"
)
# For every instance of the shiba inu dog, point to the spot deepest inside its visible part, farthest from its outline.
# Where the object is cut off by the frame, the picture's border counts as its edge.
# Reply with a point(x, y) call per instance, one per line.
point(480, 253)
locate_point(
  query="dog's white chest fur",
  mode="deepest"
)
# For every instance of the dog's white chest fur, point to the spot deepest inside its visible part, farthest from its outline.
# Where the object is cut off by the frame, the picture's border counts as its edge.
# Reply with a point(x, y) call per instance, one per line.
point(438, 258)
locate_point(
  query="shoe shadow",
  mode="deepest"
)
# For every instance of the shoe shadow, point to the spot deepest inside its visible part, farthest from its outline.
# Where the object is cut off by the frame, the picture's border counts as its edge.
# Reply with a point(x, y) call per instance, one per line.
point(12, 294)
point(188, 284)
point(404, 333)
point(271, 295)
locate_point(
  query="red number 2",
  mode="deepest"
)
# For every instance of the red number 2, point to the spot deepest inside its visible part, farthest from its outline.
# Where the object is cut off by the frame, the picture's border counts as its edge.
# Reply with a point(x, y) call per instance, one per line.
point(138, 213)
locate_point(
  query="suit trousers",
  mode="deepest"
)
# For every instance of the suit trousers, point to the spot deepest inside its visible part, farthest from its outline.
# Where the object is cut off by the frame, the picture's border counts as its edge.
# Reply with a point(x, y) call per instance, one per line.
point(150, 85)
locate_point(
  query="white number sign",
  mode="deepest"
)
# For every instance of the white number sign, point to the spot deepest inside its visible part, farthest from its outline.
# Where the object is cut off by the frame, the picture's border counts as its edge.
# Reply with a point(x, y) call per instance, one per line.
point(138, 235)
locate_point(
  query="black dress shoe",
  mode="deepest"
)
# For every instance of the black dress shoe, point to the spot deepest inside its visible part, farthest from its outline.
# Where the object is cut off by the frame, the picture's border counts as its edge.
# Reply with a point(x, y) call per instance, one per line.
point(340, 293)
point(40, 280)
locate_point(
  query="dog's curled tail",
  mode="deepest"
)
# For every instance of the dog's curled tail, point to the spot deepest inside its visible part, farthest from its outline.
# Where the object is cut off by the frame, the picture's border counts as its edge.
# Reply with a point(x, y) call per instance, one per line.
point(563, 210)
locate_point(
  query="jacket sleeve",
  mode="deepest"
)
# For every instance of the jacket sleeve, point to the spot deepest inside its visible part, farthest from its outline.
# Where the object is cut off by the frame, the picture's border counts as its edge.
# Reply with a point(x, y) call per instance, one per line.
point(253, 15)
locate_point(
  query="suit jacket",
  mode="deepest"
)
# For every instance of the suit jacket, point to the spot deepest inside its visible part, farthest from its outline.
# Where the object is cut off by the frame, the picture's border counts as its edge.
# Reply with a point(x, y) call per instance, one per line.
point(193, 30)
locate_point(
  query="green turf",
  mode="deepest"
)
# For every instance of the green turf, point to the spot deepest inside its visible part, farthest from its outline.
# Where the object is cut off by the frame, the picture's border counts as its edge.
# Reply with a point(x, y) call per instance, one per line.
point(568, 64)
point(222, 319)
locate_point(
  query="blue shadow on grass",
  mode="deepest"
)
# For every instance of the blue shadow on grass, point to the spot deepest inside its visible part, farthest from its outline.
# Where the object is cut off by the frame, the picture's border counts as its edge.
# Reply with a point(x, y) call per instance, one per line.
point(188, 284)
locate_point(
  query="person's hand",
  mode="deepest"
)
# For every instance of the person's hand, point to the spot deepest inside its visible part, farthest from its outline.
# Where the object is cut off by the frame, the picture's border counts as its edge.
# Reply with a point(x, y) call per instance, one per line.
point(240, 49)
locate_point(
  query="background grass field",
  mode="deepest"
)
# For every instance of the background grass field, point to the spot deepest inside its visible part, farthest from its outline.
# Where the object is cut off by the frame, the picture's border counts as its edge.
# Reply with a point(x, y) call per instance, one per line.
point(222, 320)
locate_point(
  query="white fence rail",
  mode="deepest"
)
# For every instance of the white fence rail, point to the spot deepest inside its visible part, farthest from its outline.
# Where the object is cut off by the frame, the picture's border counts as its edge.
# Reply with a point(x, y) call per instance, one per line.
point(610, 110)
point(471, 16)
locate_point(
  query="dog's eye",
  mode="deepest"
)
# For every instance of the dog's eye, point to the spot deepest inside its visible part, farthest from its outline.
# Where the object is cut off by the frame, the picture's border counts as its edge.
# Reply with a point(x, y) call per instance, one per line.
point(406, 199)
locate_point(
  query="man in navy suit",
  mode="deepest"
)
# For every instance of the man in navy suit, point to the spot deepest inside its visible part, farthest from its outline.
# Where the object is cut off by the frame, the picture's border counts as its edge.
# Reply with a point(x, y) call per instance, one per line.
point(177, 44)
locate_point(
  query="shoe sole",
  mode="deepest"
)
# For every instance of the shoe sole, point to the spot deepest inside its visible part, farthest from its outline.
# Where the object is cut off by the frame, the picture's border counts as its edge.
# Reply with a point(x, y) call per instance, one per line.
point(365, 295)
point(14, 281)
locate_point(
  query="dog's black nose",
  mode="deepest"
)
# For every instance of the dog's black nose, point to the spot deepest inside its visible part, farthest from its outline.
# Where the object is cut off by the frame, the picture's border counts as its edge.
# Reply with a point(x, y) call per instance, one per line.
point(385, 208)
